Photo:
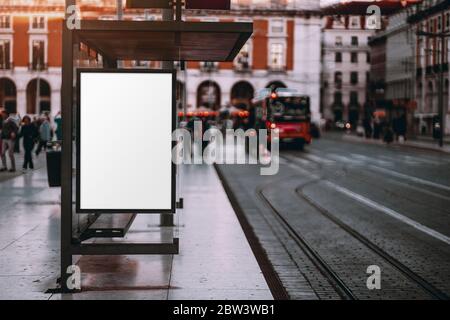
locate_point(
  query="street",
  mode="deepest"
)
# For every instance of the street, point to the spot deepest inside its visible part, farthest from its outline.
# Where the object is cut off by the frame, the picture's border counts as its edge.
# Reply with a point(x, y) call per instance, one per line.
point(339, 207)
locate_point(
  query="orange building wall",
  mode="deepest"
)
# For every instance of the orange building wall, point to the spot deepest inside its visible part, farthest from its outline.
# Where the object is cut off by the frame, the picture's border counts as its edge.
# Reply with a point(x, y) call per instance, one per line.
point(55, 42)
point(226, 65)
point(193, 65)
point(290, 46)
point(260, 44)
point(20, 46)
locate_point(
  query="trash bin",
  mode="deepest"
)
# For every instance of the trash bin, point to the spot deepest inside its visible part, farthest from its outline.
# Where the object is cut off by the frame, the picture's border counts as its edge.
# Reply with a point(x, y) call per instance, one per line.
point(54, 164)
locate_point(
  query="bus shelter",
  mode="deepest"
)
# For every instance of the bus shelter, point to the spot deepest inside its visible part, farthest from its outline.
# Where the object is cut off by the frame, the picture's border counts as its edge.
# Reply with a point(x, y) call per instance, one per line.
point(87, 215)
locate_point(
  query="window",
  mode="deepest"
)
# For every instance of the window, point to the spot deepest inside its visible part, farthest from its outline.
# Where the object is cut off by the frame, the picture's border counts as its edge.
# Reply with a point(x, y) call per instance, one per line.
point(208, 66)
point(277, 26)
point(338, 22)
point(367, 77)
point(439, 23)
point(368, 57)
point(354, 22)
point(338, 79)
point(353, 97)
point(447, 21)
point(38, 22)
point(276, 56)
point(354, 57)
point(5, 22)
point(354, 77)
point(338, 41)
point(5, 47)
point(338, 97)
point(242, 61)
point(338, 57)
point(354, 41)
point(38, 58)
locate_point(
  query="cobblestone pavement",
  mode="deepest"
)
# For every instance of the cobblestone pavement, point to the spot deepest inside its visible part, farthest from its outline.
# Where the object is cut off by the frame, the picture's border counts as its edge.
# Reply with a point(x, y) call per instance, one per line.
point(341, 206)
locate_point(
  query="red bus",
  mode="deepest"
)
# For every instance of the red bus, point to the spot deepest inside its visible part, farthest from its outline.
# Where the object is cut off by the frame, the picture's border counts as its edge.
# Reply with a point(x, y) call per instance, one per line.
point(284, 110)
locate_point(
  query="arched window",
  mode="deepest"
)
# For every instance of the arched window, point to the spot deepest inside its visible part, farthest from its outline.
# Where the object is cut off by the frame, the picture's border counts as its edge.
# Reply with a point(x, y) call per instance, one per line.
point(208, 95)
point(276, 84)
point(242, 94)
point(38, 96)
point(8, 95)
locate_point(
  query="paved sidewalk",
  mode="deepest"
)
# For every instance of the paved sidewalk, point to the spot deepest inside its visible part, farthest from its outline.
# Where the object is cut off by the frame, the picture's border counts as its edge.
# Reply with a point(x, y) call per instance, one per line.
point(215, 260)
point(39, 162)
point(420, 144)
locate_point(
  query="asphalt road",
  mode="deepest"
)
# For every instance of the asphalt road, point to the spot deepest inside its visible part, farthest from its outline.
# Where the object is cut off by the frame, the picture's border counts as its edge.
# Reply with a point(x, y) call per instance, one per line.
point(339, 207)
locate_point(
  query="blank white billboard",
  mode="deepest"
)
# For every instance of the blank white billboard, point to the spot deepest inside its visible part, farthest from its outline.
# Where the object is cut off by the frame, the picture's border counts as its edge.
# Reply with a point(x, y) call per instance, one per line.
point(124, 149)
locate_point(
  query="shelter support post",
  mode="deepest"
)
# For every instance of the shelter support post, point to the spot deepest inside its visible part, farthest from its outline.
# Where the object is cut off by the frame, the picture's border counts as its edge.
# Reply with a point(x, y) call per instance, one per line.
point(167, 220)
point(66, 162)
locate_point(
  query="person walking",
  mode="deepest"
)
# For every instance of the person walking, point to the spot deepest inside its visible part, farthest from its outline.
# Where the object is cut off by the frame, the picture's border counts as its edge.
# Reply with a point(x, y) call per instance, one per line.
point(388, 133)
point(45, 135)
point(9, 135)
point(58, 123)
point(29, 133)
point(18, 121)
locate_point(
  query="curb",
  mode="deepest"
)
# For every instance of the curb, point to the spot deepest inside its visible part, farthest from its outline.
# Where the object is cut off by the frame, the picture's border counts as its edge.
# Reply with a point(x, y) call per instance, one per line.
point(270, 275)
point(406, 144)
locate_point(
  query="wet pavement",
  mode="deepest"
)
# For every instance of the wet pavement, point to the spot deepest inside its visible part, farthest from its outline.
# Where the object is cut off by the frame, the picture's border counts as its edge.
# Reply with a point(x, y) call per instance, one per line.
point(215, 260)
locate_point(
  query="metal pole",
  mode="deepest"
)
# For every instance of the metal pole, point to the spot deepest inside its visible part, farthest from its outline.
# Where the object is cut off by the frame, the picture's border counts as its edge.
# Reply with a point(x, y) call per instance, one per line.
point(119, 10)
point(38, 86)
point(441, 94)
point(66, 162)
point(166, 220)
point(119, 17)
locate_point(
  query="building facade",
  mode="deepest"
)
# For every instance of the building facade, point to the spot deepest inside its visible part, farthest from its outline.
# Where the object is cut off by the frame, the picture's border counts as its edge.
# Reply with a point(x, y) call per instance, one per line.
point(283, 51)
point(432, 16)
point(346, 66)
point(399, 74)
point(30, 56)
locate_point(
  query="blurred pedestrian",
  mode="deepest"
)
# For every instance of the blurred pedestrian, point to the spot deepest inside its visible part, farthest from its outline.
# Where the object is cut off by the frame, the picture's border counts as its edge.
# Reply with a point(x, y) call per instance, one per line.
point(376, 128)
point(368, 127)
point(9, 135)
point(58, 130)
point(29, 133)
point(18, 120)
point(401, 128)
point(45, 135)
point(388, 134)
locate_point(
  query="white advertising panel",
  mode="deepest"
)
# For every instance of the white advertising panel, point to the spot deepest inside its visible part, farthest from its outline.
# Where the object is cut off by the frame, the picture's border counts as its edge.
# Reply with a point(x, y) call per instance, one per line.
point(124, 147)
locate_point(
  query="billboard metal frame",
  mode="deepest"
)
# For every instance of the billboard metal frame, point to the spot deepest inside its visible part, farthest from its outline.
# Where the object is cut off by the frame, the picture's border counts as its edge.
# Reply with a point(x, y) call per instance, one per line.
point(79, 210)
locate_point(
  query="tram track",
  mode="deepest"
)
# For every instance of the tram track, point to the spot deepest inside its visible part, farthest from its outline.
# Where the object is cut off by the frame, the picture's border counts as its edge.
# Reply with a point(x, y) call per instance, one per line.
point(430, 289)
point(337, 283)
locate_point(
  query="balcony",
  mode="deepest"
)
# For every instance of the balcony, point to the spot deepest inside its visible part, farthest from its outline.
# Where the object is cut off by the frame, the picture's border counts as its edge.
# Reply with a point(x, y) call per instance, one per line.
point(37, 67)
point(6, 65)
point(435, 69)
point(277, 69)
point(209, 67)
point(263, 5)
point(242, 68)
